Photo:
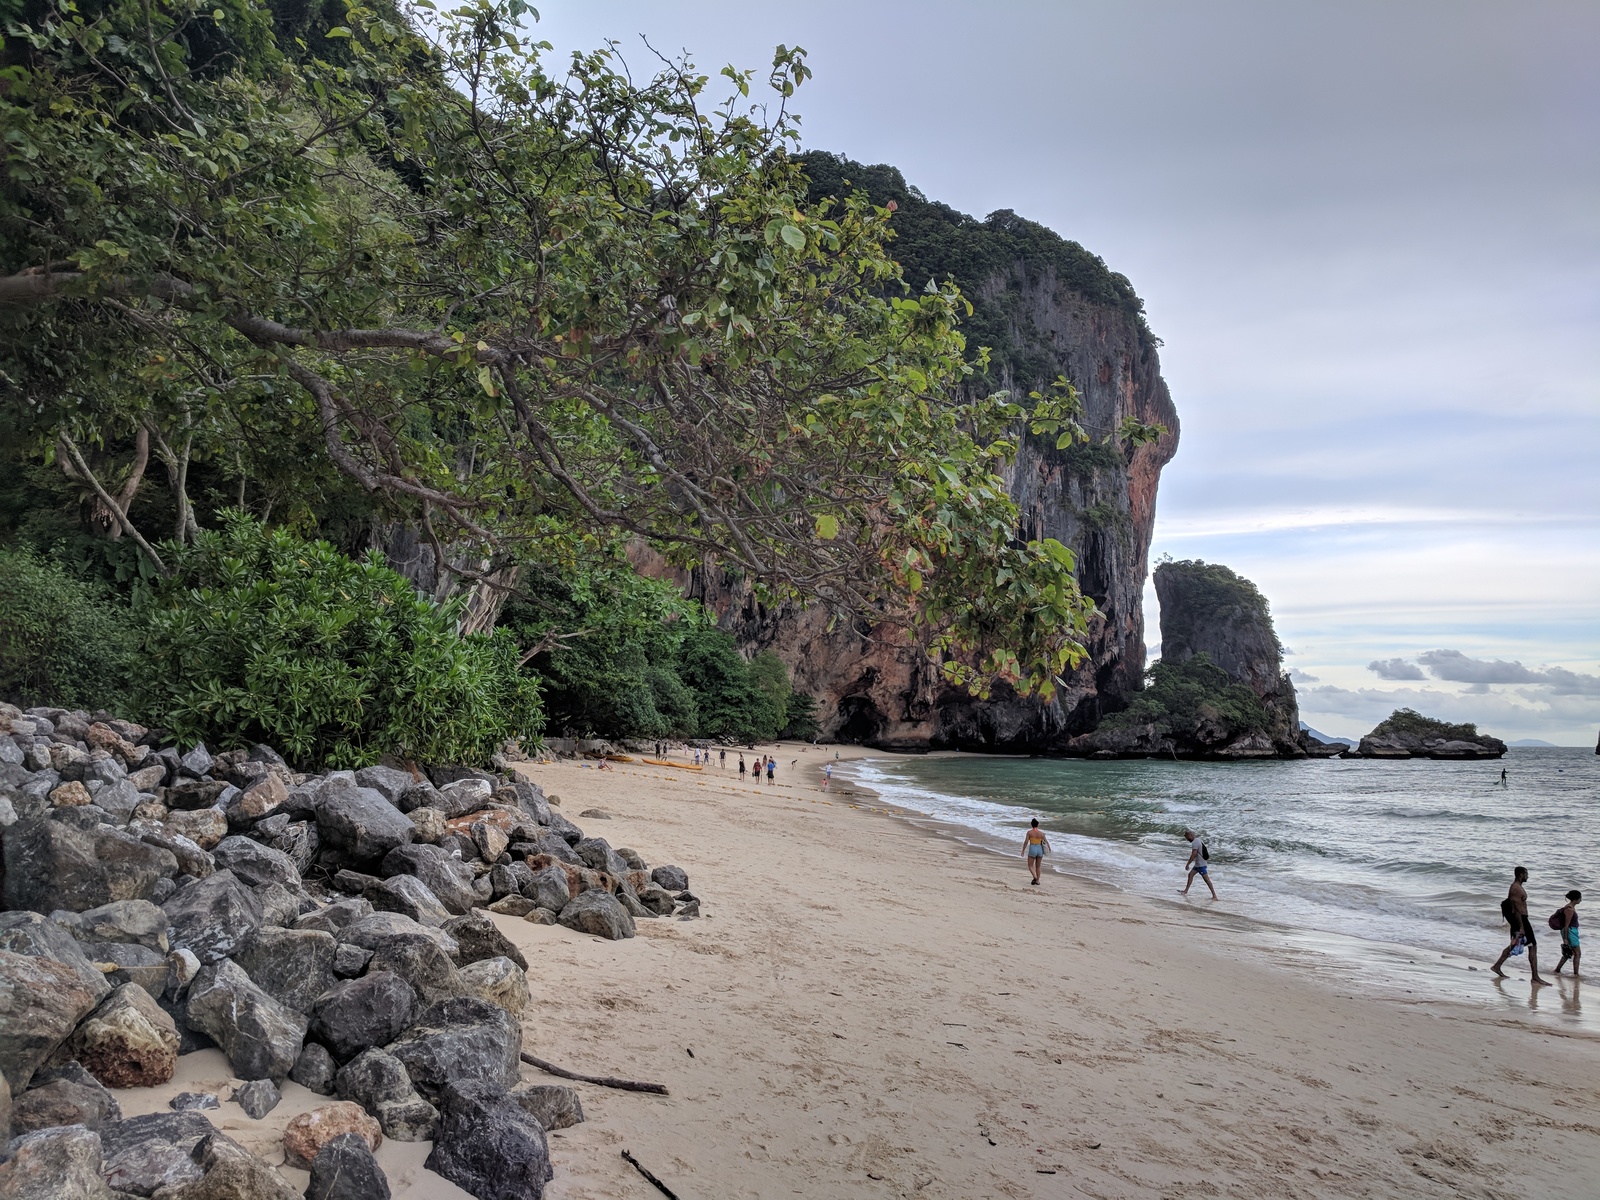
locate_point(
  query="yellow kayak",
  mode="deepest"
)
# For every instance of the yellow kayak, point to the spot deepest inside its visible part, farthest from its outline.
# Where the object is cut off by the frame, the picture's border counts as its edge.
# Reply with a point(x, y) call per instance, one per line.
point(661, 762)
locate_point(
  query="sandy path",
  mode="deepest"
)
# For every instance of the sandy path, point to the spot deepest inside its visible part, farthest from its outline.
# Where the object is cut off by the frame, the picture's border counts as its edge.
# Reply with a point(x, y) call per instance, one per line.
point(875, 1011)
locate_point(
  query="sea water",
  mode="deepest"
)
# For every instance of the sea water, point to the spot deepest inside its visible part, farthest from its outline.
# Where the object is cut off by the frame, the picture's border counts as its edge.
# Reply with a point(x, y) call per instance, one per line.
point(1397, 853)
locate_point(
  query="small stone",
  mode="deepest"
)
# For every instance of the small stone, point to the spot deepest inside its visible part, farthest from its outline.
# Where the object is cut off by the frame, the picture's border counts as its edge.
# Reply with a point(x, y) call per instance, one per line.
point(197, 762)
point(257, 1098)
point(345, 1169)
point(689, 911)
point(631, 902)
point(657, 900)
point(193, 1101)
point(595, 814)
point(542, 916)
point(308, 1133)
point(513, 906)
point(315, 1069)
point(631, 857)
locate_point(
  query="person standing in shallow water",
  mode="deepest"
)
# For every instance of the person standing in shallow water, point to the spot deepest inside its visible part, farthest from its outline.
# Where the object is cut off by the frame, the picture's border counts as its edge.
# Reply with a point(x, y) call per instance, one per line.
point(1034, 845)
point(1567, 920)
point(1199, 863)
point(1514, 908)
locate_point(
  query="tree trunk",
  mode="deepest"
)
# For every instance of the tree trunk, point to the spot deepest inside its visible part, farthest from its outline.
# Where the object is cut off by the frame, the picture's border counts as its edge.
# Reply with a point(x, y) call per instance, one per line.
point(465, 572)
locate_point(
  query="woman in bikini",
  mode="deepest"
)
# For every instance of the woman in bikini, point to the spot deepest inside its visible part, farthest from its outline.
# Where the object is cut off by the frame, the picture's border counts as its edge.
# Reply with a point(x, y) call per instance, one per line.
point(1034, 847)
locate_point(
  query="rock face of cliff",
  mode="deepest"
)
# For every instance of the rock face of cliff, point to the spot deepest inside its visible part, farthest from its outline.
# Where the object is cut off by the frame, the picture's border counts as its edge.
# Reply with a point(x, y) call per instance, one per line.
point(1048, 308)
point(1207, 609)
point(1220, 690)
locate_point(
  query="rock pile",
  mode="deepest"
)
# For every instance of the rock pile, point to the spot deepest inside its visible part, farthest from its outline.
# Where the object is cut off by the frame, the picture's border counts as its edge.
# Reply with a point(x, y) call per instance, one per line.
point(322, 928)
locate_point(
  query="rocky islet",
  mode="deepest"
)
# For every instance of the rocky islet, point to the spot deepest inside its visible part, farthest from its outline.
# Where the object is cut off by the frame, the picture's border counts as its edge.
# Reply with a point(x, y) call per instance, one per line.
point(325, 928)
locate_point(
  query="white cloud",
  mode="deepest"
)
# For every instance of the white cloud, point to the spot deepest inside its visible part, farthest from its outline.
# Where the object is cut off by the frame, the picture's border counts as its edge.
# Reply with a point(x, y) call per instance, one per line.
point(1395, 668)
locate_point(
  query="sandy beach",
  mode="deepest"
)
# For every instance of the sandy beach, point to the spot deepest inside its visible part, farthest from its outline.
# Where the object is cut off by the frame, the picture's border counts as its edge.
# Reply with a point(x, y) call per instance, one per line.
point(867, 1009)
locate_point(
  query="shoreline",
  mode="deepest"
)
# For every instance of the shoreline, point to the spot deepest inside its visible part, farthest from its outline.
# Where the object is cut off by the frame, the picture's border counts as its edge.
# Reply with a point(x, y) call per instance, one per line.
point(866, 1009)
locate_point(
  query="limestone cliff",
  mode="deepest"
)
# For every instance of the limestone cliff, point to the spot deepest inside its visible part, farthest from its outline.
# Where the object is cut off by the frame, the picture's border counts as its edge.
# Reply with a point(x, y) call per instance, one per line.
point(1220, 690)
point(1046, 307)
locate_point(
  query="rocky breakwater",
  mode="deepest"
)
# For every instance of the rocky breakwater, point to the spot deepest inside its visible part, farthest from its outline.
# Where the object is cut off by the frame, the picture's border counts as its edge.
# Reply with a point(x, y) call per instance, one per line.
point(326, 928)
point(1219, 690)
point(1045, 307)
point(1408, 734)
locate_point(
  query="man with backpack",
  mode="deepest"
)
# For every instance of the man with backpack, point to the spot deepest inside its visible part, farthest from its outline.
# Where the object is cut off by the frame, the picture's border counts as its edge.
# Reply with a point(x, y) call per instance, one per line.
point(1199, 862)
point(1514, 908)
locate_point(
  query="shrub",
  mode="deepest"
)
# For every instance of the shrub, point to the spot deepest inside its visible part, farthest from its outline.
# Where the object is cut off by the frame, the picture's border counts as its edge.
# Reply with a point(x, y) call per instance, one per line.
point(262, 637)
point(63, 642)
point(1409, 722)
point(1180, 696)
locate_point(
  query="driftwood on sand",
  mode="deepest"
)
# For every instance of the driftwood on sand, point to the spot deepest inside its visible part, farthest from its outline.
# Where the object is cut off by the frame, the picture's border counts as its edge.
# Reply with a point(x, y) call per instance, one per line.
point(610, 1081)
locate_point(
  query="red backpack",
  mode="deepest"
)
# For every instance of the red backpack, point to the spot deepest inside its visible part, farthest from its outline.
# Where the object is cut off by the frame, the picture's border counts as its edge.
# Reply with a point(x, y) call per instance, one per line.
point(1558, 919)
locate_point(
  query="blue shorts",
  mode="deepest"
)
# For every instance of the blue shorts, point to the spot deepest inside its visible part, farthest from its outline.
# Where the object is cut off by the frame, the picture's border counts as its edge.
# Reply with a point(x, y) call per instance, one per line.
point(1035, 851)
point(1203, 867)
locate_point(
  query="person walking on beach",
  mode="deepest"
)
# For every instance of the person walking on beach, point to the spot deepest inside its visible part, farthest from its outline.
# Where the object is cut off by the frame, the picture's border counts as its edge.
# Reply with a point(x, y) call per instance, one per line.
point(1034, 846)
point(772, 767)
point(722, 759)
point(741, 768)
point(1514, 908)
point(1199, 862)
point(827, 775)
point(1566, 920)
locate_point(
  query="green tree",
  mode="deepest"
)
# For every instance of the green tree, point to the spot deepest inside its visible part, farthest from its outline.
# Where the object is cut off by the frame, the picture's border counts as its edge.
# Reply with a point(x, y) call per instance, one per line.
point(509, 302)
point(63, 641)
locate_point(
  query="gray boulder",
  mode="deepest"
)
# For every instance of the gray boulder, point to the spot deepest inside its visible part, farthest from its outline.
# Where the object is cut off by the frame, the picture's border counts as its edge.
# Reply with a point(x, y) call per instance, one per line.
point(350, 961)
point(124, 962)
point(565, 829)
point(446, 877)
point(462, 797)
point(372, 931)
point(463, 1039)
point(409, 896)
point(298, 840)
point(598, 855)
point(119, 798)
point(50, 865)
point(335, 916)
point(421, 963)
point(64, 1095)
point(549, 889)
point(378, 1082)
point(261, 1037)
point(293, 966)
point(657, 900)
point(315, 1069)
point(136, 921)
point(420, 795)
point(598, 913)
point(357, 1014)
point(255, 864)
point(361, 823)
point(29, 933)
point(280, 906)
point(191, 857)
point(197, 763)
point(213, 917)
point(387, 781)
point(54, 1164)
point(513, 906)
point(553, 1106)
point(145, 1154)
point(41, 1003)
point(128, 1041)
point(480, 938)
point(257, 1098)
point(345, 1169)
point(195, 793)
point(488, 1145)
point(674, 879)
point(556, 847)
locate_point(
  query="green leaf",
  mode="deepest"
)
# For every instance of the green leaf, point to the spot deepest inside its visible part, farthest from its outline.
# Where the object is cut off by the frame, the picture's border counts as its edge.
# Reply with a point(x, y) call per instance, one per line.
point(827, 527)
point(793, 237)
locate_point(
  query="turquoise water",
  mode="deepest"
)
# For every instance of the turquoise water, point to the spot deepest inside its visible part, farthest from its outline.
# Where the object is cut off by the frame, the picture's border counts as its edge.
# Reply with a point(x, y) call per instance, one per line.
point(1411, 853)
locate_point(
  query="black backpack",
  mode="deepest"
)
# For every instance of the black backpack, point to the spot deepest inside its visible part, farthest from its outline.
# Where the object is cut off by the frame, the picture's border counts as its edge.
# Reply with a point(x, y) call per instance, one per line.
point(1205, 851)
point(1508, 910)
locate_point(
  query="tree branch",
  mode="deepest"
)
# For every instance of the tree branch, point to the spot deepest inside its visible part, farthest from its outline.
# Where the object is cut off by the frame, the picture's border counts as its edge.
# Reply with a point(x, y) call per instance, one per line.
point(88, 476)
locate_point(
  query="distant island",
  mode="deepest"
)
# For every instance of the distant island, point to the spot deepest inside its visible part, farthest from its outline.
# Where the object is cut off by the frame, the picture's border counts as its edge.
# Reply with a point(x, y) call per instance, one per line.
point(1409, 734)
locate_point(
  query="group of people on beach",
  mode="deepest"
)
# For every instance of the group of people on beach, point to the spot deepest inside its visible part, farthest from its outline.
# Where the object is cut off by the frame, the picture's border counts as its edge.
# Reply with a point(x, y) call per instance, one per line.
point(1035, 845)
point(765, 763)
point(1514, 908)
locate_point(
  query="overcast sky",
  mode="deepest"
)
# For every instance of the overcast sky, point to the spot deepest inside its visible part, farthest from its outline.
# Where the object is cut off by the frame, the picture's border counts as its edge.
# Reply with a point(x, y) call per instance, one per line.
point(1369, 235)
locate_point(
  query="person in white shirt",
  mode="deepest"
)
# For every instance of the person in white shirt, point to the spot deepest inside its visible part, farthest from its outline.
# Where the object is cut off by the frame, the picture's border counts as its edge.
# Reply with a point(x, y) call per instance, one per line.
point(1198, 863)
